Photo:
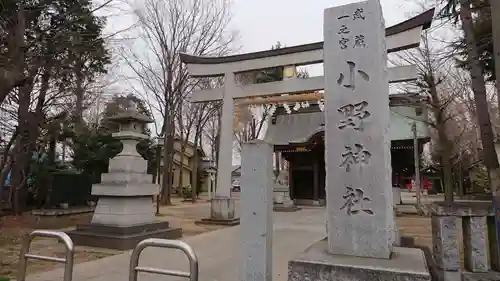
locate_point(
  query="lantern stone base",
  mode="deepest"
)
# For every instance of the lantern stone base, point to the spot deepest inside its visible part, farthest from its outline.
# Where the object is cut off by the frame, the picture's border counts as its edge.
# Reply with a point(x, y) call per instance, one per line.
point(222, 212)
point(315, 263)
point(121, 237)
point(282, 201)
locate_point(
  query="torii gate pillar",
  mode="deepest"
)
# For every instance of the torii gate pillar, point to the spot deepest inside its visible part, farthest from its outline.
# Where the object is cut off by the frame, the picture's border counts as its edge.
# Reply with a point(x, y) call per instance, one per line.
point(222, 207)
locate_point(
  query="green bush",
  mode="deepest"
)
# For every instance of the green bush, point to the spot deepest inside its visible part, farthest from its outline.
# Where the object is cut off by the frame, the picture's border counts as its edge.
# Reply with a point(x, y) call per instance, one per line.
point(3, 278)
point(70, 187)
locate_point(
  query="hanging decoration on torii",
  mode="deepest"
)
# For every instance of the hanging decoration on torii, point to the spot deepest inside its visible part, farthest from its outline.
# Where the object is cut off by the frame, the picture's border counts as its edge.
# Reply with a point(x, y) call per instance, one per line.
point(247, 108)
point(253, 107)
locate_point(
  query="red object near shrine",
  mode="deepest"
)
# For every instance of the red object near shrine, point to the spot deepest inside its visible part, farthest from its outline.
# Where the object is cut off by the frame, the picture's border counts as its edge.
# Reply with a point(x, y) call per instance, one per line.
point(425, 184)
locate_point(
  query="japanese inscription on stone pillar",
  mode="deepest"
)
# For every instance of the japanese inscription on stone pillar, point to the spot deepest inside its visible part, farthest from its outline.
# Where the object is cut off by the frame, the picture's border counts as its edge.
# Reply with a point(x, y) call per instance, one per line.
point(357, 151)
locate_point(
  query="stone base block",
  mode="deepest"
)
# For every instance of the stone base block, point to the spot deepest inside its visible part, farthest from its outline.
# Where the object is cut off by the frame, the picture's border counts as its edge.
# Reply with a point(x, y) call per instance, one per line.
point(285, 208)
point(231, 222)
point(221, 212)
point(222, 208)
point(121, 238)
point(124, 211)
point(315, 263)
point(444, 275)
point(481, 276)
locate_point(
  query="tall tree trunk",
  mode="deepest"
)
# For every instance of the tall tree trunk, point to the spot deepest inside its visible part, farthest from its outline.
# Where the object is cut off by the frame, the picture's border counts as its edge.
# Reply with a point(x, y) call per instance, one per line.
point(7, 159)
point(63, 154)
point(43, 91)
point(11, 75)
point(167, 159)
point(171, 149)
point(165, 179)
point(156, 172)
point(20, 169)
point(479, 89)
point(180, 179)
point(217, 137)
point(194, 171)
point(217, 144)
point(444, 143)
point(213, 139)
point(79, 95)
point(196, 158)
point(495, 22)
point(183, 151)
point(44, 186)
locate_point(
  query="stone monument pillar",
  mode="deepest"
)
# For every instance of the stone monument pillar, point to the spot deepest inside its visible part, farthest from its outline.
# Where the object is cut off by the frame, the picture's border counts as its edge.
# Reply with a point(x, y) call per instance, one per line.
point(360, 215)
point(358, 168)
point(125, 213)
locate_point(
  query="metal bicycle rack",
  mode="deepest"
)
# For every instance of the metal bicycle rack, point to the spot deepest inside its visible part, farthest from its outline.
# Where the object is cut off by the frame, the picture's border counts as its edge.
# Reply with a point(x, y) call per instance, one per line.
point(25, 255)
point(163, 243)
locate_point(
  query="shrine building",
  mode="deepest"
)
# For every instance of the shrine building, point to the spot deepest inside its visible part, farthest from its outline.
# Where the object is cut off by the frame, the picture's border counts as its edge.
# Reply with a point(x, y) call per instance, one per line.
point(298, 137)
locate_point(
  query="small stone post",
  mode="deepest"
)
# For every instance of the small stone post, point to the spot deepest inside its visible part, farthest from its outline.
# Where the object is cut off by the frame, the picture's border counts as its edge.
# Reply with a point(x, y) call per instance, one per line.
point(256, 211)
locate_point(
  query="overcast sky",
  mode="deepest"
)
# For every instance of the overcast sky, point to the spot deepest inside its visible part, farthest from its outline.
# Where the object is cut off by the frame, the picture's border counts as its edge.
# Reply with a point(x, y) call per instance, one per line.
point(262, 23)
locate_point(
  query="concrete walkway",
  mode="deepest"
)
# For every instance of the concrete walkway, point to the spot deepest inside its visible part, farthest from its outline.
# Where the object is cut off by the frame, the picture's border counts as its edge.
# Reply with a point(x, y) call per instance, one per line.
point(218, 253)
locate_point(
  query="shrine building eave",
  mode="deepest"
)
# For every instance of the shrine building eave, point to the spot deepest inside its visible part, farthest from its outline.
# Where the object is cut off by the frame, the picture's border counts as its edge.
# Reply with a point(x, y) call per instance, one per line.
point(402, 99)
point(297, 128)
point(423, 20)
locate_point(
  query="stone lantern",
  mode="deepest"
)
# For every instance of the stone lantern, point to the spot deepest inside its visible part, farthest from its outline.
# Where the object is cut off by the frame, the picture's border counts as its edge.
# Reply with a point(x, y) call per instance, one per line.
point(125, 214)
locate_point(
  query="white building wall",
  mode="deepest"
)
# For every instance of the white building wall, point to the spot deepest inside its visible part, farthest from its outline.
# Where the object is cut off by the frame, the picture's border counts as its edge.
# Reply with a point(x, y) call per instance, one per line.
point(402, 118)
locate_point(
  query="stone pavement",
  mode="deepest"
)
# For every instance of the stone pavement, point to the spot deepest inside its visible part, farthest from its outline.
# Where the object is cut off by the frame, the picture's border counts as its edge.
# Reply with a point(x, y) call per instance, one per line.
point(409, 201)
point(218, 253)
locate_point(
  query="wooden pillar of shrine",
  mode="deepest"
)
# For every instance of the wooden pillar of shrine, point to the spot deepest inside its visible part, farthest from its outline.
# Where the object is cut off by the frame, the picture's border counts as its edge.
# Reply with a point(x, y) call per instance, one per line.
point(316, 182)
point(290, 180)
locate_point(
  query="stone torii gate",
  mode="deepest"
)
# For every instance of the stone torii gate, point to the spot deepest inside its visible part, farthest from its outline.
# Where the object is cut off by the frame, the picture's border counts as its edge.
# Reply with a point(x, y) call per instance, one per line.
point(405, 35)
